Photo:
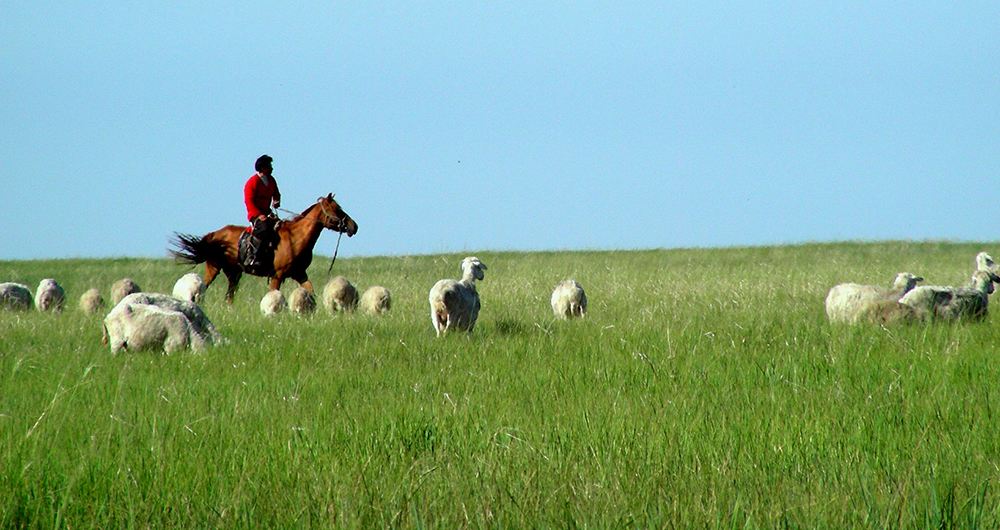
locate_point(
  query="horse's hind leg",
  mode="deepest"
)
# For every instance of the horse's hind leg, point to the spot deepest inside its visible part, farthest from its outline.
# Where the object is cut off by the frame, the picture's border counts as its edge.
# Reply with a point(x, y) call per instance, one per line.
point(233, 275)
point(211, 271)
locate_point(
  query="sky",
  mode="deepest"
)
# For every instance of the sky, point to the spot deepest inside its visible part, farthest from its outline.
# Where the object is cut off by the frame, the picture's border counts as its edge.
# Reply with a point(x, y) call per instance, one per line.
point(485, 126)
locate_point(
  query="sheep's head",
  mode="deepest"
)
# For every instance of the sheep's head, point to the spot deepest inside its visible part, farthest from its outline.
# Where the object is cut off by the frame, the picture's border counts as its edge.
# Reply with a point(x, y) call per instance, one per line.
point(472, 266)
point(984, 262)
point(906, 281)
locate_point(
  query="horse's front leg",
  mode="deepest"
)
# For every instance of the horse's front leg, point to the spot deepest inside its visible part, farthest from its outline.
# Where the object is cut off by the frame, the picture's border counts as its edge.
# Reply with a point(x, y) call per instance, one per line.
point(276, 282)
point(304, 281)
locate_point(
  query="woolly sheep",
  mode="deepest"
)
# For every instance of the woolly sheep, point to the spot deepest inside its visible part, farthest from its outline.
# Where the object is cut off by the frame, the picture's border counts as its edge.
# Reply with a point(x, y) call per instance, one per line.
point(846, 301)
point(189, 287)
point(888, 312)
point(123, 288)
point(569, 300)
point(954, 303)
point(376, 300)
point(340, 295)
point(199, 321)
point(135, 327)
point(455, 304)
point(272, 303)
point(15, 296)
point(91, 301)
point(49, 296)
point(302, 301)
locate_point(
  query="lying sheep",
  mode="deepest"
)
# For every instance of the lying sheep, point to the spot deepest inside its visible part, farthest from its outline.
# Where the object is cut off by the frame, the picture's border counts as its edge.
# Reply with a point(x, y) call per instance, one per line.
point(91, 301)
point(845, 301)
point(376, 300)
point(199, 321)
point(302, 301)
point(340, 295)
point(123, 288)
point(15, 296)
point(455, 304)
point(954, 303)
point(569, 300)
point(189, 287)
point(135, 326)
point(49, 296)
point(272, 303)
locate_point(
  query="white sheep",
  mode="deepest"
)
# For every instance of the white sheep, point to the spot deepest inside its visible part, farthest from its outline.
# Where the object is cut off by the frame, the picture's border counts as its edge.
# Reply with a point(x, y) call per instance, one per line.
point(189, 287)
point(954, 303)
point(15, 296)
point(91, 301)
point(340, 295)
point(137, 327)
point(272, 303)
point(455, 304)
point(845, 302)
point(569, 300)
point(49, 296)
point(123, 288)
point(984, 262)
point(199, 321)
point(376, 300)
point(302, 301)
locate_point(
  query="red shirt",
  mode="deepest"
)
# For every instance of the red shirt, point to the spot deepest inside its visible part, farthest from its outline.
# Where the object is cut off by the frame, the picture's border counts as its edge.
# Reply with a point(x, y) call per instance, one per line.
point(258, 196)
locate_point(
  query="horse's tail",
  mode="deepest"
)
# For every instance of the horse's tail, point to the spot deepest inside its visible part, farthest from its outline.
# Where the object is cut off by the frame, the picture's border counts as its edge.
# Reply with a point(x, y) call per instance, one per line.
point(193, 250)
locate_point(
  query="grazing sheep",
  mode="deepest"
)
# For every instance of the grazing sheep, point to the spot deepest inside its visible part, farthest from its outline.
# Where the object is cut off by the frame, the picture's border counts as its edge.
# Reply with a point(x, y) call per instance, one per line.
point(954, 303)
point(135, 326)
point(569, 300)
point(846, 301)
point(189, 287)
point(340, 295)
point(49, 296)
point(376, 300)
point(123, 288)
point(91, 301)
point(272, 303)
point(199, 321)
point(455, 304)
point(15, 296)
point(302, 301)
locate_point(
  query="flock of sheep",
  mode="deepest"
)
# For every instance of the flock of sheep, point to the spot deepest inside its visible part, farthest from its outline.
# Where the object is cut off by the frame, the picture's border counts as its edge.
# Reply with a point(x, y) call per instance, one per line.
point(140, 320)
point(906, 302)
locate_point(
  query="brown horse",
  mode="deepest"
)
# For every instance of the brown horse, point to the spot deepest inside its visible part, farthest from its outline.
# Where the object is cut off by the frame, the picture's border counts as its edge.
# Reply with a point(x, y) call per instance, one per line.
point(218, 250)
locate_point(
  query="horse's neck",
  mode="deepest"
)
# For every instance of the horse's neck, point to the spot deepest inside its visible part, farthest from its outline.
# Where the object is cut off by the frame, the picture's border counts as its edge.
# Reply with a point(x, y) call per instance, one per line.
point(305, 230)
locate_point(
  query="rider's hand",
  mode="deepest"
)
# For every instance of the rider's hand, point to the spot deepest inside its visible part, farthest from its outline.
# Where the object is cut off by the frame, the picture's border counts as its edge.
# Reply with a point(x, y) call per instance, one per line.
point(277, 203)
point(261, 217)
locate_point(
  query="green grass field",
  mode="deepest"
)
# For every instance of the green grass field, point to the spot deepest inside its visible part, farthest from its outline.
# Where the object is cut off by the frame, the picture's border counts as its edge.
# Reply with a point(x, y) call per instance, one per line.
point(704, 389)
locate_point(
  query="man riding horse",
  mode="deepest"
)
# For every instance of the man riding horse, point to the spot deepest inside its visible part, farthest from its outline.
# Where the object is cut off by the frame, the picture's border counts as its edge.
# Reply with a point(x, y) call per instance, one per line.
point(259, 192)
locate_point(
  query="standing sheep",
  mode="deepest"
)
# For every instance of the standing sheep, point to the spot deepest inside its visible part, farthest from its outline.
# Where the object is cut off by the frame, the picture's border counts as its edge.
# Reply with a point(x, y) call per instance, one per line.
point(49, 296)
point(376, 300)
point(91, 301)
point(340, 295)
point(569, 300)
point(845, 302)
point(302, 301)
point(134, 327)
point(15, 296)
point(272, 303)
point(199, 321)
point(123, 288)
point(189, 287)
point(954, 303)
point(455, 304)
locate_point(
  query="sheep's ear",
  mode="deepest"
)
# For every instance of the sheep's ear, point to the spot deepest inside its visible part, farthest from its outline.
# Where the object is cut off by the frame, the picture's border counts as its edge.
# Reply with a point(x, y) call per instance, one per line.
point(918, 278)
point(994, 278)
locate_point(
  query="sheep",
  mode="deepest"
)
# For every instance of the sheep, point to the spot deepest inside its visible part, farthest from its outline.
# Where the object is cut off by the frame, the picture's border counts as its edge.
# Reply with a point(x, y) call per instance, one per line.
point(340, 295)
point(189, 287)
point(376, 300)
point(136, 326)
point(123, 288)
point(954, 303)
point(199, 321)
point(49, 296)
point(845, 301)
point(15, 296)
point(272, 303)
point(302, 301)
point(984, 262)
point(91, 301)
point(888, 312)
point(455, 304)
point(569, 300)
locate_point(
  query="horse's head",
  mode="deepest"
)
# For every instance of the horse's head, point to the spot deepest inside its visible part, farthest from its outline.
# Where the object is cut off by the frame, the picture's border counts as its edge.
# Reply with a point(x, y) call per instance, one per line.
point(334, 217)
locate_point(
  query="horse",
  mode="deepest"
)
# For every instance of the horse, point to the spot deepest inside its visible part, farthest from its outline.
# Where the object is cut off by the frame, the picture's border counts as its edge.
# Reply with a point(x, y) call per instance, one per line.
point(218, 250)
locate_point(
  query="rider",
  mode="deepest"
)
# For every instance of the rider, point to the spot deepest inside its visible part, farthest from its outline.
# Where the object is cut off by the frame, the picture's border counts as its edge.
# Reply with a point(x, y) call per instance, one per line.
point(260, 191)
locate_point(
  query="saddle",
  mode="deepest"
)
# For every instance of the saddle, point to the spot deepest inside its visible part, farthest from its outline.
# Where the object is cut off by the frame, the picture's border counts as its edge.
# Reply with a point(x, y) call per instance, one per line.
point(256, 248)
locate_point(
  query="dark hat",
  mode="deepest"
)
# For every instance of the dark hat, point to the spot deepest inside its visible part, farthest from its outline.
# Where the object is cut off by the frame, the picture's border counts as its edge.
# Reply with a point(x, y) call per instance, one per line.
point(262, 162)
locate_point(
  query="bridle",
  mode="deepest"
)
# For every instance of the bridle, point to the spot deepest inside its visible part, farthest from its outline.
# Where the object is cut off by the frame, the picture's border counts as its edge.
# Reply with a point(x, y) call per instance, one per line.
point(341, 227)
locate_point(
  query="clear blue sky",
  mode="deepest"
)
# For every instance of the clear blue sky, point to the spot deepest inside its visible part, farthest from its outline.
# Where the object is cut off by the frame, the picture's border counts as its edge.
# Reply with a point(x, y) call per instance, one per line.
point(471, 126)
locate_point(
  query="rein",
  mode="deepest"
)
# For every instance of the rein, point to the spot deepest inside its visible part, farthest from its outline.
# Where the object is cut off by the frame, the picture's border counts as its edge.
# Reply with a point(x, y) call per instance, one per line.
point(340, 230)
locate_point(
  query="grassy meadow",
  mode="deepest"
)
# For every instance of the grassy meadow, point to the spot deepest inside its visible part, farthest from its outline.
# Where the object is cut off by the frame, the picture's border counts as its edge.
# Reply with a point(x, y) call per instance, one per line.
point(704, 389)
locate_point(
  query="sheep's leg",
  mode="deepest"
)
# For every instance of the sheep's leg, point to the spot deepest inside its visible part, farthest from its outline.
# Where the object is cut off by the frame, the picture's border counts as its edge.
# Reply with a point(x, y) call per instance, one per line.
point(233, 275)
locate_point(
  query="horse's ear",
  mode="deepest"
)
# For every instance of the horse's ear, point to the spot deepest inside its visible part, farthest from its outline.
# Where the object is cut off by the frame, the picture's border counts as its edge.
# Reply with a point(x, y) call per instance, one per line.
point(330, 196)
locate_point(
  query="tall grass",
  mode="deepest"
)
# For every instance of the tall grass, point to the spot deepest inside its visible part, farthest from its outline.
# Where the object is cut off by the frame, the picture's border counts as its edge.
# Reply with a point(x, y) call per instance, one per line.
point(704, 389)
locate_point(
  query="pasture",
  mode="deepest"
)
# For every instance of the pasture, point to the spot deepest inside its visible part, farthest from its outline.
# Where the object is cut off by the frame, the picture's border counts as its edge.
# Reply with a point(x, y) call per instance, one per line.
point(704, 389)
